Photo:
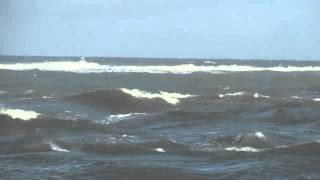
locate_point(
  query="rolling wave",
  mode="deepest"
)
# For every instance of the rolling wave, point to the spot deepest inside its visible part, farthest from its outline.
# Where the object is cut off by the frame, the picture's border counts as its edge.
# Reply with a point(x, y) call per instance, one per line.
point(121, 101)
point(84, 66)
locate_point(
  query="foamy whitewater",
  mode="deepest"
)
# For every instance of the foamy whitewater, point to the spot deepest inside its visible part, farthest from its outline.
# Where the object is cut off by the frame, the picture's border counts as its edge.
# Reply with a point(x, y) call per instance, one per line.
point(141, 119)
point(232, 94)
point(84, 66)
point(55, 147)
point(19, 114)
point(172, 98)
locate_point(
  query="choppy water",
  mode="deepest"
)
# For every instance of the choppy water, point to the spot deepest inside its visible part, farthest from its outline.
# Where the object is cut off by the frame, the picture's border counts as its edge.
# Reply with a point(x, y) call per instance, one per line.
point(111, 118)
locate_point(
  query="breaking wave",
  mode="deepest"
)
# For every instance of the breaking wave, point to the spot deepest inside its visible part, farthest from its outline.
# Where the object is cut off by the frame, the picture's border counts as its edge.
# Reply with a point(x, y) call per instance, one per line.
point(232, 94)
point(123, 101)
point(172, 98)
point(243, 149)
point(55, 147)
point(19, 114)
point(84, 66)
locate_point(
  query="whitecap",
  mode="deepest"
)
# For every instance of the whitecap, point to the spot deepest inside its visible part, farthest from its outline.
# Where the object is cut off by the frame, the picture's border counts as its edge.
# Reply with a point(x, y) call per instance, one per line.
point(19, 114)
point(84, 66)
point(296, 97)
point(172, 98)
point(114, 118)
point(232, 94)
point(55, 147)
point(46, 97)
point(259, 135)
point(257, 95)
point(243, 149)
point(209, 62)
point(316, 99)
point(159, 149)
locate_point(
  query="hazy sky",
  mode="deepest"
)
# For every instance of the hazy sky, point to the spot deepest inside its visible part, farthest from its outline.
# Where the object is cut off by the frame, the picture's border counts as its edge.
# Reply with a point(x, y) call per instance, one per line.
point(246, 29)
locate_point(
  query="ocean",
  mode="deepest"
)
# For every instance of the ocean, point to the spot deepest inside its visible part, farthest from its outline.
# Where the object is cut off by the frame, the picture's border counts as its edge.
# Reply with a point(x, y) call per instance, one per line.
point(141, 119)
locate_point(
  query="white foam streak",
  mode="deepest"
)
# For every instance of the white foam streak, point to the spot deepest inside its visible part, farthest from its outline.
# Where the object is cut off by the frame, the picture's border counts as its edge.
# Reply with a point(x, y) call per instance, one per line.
point(172, 98)
point(243, 149)
point(160, 150)
point(19, 114)
point(83, 66)
point(55, 147)
point(316, 99)
point(111, 119)
point(296, 97)
point(257, 95)
point(232, 94)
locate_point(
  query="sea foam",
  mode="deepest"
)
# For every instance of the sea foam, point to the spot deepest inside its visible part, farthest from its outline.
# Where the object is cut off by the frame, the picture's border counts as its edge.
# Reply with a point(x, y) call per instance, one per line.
point(55, 147)
point(257, 95)
point(172, 98)
point(19, 114)
point(243, 149)
point(232, 94)
point(83, 66)
point(114, 118)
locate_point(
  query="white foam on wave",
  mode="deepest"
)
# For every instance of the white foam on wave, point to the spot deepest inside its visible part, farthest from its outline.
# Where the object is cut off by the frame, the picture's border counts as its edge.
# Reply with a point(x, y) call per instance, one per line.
point(172, 98)
point(55, 147)
point(68, 66)
point(232, 94)
point(84, 66)
point(243, 149)
point(259, 135)
point(257, 95)
point(19, 114)
point(114, 118)
point(209, 62)
point(316, 99)
point(296, 97)
point(159, 149)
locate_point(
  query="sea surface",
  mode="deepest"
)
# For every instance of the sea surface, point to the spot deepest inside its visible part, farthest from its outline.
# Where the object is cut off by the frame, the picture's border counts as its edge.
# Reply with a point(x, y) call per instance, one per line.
point(142, 119)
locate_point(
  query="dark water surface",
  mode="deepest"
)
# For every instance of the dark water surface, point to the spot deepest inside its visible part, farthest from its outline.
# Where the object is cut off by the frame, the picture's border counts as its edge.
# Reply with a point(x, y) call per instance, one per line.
point(111, 118)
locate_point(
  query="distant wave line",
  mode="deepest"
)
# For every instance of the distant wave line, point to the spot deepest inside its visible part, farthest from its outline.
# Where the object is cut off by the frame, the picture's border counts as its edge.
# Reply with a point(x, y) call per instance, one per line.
point(84, 66)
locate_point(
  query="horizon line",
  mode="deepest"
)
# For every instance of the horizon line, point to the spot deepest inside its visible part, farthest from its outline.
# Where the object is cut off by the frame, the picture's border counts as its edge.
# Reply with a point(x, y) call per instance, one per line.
point(166, 58)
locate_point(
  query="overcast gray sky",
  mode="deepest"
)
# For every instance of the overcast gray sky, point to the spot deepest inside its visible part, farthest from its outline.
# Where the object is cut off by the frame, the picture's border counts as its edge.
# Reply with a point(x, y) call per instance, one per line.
point(246, 29)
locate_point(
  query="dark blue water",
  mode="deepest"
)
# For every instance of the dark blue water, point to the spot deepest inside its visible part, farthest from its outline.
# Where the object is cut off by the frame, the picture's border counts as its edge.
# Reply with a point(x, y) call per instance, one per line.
point(130, 118)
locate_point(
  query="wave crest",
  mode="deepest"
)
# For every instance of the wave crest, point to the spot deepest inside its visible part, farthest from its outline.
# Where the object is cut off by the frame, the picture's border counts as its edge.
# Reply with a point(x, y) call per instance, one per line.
point(84, 66)
point(19, 114)
point(172, 98)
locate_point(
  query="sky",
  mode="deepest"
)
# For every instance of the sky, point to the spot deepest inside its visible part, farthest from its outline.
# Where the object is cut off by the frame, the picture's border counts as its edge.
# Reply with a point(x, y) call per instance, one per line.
point(239, 29)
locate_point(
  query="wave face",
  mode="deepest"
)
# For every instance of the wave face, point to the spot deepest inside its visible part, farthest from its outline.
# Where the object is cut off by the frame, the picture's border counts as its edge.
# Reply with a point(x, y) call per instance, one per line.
point(83, 66)
point(123, 101)
point(158, 119)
